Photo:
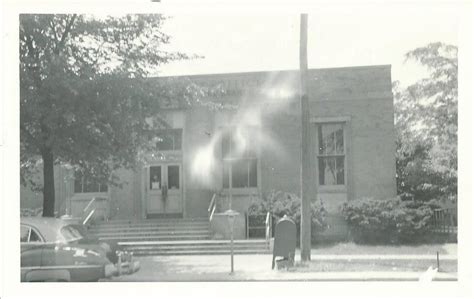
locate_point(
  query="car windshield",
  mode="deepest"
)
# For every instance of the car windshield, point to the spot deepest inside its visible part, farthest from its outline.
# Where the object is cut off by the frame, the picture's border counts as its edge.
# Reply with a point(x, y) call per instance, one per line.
point(70, 233)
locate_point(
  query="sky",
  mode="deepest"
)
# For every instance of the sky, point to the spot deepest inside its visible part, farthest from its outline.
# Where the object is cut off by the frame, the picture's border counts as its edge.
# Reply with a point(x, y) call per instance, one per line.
point(336, 38)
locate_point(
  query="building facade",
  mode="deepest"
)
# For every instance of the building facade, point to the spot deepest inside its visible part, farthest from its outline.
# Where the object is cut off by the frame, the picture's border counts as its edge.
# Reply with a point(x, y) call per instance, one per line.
point(246, 142)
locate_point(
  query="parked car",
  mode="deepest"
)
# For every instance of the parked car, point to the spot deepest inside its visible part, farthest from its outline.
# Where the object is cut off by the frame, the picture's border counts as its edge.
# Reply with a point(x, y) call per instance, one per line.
point(55, 250)
point(121, 258)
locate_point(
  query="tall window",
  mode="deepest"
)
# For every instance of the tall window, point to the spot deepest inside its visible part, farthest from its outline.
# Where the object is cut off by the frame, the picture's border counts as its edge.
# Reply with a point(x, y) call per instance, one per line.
point(169, 140)
point(86, 184)
point(155, 177)
point(239, 157)
point(173, 177)
point(331, 154)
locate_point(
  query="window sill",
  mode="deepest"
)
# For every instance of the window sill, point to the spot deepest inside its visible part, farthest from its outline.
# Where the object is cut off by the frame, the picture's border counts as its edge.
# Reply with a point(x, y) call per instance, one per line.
point(332, 189)
point(89, 195)
point(240, 191)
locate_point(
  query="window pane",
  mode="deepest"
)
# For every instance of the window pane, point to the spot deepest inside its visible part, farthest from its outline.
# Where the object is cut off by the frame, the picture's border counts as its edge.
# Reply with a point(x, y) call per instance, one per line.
point(320, 140)
point(321, 170)
point(251, 150)
point(240, 174)
point(155, 177)
point(331, 139)
point(327, 171)
point(244, 173)
point(169, 140)
point(329, 144)
point(236, 144)
point(90, 186)
point(340, 140)
point(239, 145)
point(253, 173)
point(340, 170)
point(173, 177)
point(331, 170)
point(328, 139)
point(225, 175)
point(87, 184)
point(34, 237)
point(165, 143)
point(331, 154)
point(24, 231)
point(103, 188)
point(78, 184)
point(177, 139)
point(238, 149)
point(226, 145)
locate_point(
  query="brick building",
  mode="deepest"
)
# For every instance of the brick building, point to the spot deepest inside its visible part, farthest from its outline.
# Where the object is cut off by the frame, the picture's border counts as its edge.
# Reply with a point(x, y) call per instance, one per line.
point(251, 143)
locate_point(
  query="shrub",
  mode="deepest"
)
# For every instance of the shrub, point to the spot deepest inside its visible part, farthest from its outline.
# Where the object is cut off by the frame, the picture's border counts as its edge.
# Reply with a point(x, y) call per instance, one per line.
point(28, 212)
point(388, 221)
point(280, 203)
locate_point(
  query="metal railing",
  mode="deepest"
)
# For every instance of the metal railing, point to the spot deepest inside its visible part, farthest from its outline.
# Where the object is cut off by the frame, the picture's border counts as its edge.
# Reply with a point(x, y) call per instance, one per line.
point(91, 202)
point(88, 214)
point(91, 210)
point(445, 221)
point(268, 228)
point(89, 217)
point(212, 207)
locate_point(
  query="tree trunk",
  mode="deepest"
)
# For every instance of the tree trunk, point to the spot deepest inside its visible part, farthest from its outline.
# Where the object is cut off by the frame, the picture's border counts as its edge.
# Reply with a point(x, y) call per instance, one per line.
point(48, 182)
point(308, 180)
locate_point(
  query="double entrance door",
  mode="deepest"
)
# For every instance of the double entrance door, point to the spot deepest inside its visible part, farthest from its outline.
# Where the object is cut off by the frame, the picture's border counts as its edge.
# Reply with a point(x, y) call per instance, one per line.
point(164, 189)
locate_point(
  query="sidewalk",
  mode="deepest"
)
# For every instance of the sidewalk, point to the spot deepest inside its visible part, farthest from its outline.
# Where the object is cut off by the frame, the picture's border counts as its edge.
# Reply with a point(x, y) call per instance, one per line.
point(321, 268)
point(380, 257)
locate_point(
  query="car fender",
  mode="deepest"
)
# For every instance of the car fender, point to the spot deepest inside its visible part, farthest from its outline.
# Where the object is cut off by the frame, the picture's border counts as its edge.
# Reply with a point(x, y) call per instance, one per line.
point(48, 275)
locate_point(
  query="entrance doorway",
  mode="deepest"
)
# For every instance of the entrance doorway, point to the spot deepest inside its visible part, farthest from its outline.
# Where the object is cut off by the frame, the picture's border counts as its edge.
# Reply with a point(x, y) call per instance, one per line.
point(164, 189)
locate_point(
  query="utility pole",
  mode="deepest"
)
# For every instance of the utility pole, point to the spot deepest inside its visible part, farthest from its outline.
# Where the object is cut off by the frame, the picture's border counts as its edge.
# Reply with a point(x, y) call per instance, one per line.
point(307, 160)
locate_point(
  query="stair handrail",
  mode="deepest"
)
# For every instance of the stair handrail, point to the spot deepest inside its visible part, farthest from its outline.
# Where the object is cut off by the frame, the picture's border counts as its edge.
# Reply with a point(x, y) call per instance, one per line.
point(212, 207)
point(89, 216)
point(86, 212)
point(88, 205)
point(268, 227)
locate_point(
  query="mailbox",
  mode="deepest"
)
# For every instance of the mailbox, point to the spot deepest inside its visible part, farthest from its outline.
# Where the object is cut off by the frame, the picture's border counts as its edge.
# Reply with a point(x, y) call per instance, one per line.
point(285, 241)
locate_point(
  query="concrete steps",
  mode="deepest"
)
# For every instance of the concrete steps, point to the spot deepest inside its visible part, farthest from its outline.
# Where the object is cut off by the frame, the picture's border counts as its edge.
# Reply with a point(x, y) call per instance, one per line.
point(157, 233)
point(155, 238)
point(152, 230)
point(171, 237)
point(147, 229)
point(152, 224)
point(204, 247)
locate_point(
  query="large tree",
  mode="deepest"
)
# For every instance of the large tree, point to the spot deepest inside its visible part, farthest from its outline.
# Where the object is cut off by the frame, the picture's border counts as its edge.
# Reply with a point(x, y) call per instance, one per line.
point(83, 97)
point(426, 123)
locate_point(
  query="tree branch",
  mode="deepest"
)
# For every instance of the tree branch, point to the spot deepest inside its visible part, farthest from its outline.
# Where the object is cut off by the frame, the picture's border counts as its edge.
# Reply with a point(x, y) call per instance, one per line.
point(34, 56)
point(53, 28)
point(66, 32)
point(34, 140)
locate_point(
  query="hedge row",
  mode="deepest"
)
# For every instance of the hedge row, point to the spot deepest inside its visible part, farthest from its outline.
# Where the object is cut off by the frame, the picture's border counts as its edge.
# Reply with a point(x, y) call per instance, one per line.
point(370, 221)
point(389, 221)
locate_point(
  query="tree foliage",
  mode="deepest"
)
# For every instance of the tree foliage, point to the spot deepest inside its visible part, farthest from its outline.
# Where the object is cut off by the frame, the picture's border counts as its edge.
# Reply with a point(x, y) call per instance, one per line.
point(426, 122)
point(84, 99)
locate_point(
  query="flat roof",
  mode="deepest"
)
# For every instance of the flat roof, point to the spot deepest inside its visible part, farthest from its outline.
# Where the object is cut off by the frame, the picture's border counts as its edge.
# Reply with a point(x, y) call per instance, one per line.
point(287, 71)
